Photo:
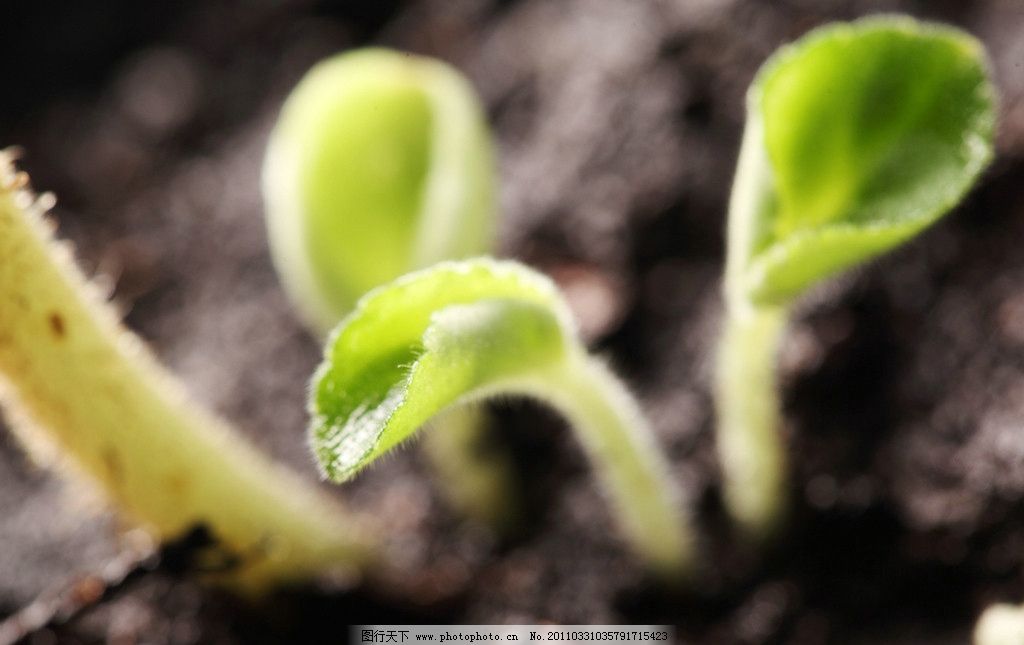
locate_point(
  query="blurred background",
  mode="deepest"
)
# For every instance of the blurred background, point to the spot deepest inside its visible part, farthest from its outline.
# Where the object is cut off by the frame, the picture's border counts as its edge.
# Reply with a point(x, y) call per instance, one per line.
point(618, 125)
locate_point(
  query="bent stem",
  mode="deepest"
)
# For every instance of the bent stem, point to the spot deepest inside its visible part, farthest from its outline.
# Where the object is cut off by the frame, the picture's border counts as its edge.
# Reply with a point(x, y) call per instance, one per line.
point(81, 388)
point(749, 419)
point(624, 452)
point(467, 331)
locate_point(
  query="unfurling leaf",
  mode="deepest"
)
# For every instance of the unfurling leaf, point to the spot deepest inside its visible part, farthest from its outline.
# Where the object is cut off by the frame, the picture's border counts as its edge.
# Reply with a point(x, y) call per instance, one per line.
point(381, 163)
point(859, 136)
point(424, 342)
point(462, 331)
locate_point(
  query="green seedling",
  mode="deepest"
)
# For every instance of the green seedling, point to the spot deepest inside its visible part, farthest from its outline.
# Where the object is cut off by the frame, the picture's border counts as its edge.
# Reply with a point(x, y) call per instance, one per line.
point(858, 137)
point(381, 163)
point(80, 389)
point(461, 332)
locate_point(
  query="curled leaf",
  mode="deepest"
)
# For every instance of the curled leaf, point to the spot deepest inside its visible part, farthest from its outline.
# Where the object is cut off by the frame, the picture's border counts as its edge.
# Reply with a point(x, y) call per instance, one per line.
point(380, 163)
point(421, 344)
point(859, 136)
point(462, 331)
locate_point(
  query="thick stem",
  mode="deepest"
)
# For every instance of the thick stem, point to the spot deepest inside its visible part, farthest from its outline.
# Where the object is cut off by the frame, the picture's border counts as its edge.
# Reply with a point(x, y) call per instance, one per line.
point(749, 420)
point(624, 451)
point(80, 386)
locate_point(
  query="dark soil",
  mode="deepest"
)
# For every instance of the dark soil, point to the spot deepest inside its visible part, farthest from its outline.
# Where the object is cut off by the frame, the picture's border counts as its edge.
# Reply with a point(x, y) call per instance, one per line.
point(619, 124)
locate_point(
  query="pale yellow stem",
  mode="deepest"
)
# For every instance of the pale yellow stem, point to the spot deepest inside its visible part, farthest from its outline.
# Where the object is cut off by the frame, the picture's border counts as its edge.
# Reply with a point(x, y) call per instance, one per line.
point(750, 445)
point(78, 386)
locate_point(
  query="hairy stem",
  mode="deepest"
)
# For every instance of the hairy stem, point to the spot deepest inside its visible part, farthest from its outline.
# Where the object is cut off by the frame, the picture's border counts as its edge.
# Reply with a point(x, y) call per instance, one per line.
point(80, 387)
point(624, 450)
point(749, 420)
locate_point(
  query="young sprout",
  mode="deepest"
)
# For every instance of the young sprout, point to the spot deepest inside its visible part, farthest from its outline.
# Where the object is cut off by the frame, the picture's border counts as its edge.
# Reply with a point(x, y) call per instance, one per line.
point(464, 331)
point(858, 137)
point(80, 388)
point(381, 163)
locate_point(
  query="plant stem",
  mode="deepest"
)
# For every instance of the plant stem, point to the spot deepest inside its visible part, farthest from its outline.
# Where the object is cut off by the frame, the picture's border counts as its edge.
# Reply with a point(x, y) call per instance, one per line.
point(80, 387)
point(749, 444)
point(624, 450)
point(476, 481)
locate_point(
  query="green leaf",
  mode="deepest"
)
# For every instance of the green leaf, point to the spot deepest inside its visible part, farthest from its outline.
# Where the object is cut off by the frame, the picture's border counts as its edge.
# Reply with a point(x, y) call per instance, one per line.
point(380, 163)
point(859, 136)
point(417, 346)
point(462, 331)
